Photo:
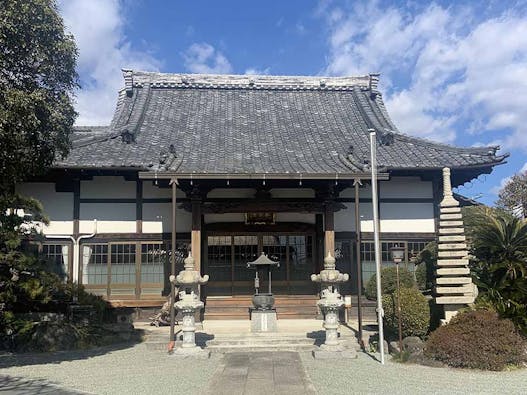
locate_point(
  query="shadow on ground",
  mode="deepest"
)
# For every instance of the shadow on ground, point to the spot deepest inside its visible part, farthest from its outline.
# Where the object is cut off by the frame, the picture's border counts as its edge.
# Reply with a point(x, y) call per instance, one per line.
point(12, 359)
point(19, 386)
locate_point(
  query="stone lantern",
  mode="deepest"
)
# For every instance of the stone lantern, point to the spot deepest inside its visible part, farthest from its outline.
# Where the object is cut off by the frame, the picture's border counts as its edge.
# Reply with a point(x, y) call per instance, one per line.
point(330, 303)
point(189, 303)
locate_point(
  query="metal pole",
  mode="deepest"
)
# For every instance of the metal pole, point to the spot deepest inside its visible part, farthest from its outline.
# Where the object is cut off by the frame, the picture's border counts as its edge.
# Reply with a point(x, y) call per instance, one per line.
point(173, 268)
point(399, 309)
point(358, 258)
point(374, 199)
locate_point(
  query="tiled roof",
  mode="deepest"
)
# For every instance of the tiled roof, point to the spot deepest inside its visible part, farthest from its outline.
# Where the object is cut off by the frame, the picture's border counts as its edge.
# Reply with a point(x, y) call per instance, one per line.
point(233, 124)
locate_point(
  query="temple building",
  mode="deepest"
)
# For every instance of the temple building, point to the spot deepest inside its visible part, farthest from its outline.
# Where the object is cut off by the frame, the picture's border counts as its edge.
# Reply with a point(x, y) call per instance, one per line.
point(237, 165)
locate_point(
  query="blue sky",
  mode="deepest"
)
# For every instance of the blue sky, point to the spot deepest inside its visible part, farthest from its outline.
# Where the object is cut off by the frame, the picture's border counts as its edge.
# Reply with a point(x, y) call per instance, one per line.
point(451, 71)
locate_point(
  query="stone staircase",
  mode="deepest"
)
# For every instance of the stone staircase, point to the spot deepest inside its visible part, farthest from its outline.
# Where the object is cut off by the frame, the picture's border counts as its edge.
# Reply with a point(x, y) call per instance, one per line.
point(237, 307)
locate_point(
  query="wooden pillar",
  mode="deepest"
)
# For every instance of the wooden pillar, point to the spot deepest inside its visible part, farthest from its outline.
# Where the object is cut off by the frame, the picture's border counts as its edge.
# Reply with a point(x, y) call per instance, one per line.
point(319, 225)
point(329, 229)
point(139, 206)
point(196, 229)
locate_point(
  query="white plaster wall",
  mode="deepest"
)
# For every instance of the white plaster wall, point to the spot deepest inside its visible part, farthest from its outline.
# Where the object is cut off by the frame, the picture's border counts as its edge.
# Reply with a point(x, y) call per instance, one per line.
point(106, 187)
point(292, 193)
point(153, 191)
point(232, 193)
point(227, 217)
point(157, 218)
point(406, 187)
point(295, 217)
point(407, 217)
point(58, 206)
point(111, 217)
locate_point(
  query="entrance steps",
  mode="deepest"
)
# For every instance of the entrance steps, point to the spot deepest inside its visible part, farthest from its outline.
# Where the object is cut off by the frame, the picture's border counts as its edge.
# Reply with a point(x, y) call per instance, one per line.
point(237, 307)
point(234, 335)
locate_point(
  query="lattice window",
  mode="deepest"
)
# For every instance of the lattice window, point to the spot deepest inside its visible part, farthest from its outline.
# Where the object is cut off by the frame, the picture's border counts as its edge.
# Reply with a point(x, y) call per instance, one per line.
point(154, 258)
point(96, 271)
point(122, 263)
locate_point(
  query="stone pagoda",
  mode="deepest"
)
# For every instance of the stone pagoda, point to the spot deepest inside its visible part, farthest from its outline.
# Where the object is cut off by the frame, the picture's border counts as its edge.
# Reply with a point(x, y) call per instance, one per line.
point(453, 285)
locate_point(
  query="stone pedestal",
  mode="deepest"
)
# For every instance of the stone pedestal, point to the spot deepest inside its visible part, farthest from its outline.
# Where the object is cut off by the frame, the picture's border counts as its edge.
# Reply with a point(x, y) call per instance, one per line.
point(263, 321)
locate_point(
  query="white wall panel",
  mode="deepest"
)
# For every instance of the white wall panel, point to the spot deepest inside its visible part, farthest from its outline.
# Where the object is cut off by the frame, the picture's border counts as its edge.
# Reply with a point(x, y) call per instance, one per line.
point(106, 187)
point(157, 218)
point(111, 217)
point(406, 187)
point(407, 217)
point(153, 191)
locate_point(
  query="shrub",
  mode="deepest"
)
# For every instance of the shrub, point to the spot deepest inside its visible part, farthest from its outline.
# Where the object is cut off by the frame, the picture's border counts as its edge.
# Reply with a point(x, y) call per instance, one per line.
point(478, 340)
point(415, 313)
point(425, 261)
point(389, 281)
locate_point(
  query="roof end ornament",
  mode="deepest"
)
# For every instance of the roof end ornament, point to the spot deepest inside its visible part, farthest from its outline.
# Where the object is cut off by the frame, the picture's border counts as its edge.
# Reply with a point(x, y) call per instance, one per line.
point(128, 75)
point(373, 84)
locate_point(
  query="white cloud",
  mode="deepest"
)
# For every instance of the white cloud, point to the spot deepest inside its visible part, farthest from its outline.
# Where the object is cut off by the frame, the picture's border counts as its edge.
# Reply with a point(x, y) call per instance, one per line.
point(459, 69)
point(257, 71)
point(103, 51)
point(204, 58)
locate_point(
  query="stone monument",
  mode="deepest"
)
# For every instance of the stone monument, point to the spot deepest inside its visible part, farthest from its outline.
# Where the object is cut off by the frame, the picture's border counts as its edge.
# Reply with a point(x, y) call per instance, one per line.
point(453, 285)
point(189, 303)
point(263, 315)
point(330, 303)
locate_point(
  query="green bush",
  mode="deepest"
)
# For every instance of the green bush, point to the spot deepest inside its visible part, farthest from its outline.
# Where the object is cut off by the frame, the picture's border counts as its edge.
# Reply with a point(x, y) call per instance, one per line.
point(478, 340)
point(389, 282)
point(415, 313)
point(425, 262)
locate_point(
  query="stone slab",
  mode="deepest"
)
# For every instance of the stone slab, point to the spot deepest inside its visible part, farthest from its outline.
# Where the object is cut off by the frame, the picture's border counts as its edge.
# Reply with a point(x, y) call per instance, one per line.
point(450, 216)
point(263, 321)
point(452, 246)
point(452, 254)
point(454, 271)
point(454, 299)
point(452, 262)
point(451, 231)
point(450, 223)
point(449, 210)
point(194, 352)
point(343, 354)
point(448, 239)
point(453, 280)
point(463, 289)
point(449, 203)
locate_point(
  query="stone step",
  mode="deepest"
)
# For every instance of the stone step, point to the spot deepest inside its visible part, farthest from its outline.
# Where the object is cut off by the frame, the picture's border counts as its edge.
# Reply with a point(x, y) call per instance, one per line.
point(449, 210)
point(452, 246)
point(453, 280)
point(452, 262)
point(448, 239)
point(450, 216)
point(454, 300)
point(451, 231)
point(452, 254)
point(454, 271)
point(449, 224)
point(462, 289)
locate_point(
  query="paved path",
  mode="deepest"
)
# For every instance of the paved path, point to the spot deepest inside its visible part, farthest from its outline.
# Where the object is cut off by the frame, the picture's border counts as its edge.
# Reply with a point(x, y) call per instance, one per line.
point(245, 373)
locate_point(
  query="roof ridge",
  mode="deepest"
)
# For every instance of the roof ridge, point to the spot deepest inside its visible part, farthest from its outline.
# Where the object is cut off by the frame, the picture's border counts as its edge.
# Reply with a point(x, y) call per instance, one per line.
point(136, 78)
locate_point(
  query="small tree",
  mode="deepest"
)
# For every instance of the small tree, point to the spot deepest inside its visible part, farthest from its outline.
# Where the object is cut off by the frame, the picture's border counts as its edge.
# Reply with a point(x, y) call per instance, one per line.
point(513, 196)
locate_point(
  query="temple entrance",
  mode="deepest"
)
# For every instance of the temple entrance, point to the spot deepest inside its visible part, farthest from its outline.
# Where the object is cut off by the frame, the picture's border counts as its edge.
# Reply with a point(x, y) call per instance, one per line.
point(227, 256)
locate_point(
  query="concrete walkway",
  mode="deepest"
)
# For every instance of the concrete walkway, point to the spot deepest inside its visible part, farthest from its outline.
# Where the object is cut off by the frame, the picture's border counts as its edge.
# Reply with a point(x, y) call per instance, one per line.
point(260, 373)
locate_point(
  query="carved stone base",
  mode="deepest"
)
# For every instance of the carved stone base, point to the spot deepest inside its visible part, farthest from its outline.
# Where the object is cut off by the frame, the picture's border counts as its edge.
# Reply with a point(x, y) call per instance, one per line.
point(194, 352)
point(334, 352)
point(263, 321)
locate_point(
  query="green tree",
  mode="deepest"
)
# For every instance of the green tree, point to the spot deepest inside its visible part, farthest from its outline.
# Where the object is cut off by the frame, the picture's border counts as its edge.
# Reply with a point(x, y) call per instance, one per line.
point(513, 196)
point(37, 83)
point(499, 264)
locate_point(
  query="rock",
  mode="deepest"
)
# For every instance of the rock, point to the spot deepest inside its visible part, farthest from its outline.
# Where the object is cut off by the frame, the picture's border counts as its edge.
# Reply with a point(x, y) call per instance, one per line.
point(413, 344)
point(394, 347)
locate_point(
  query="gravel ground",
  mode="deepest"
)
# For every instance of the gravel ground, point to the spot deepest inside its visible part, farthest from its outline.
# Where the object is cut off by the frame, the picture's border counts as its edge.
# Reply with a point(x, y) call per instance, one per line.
point(133, 370)
point(137, 370)
point(367, 376)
